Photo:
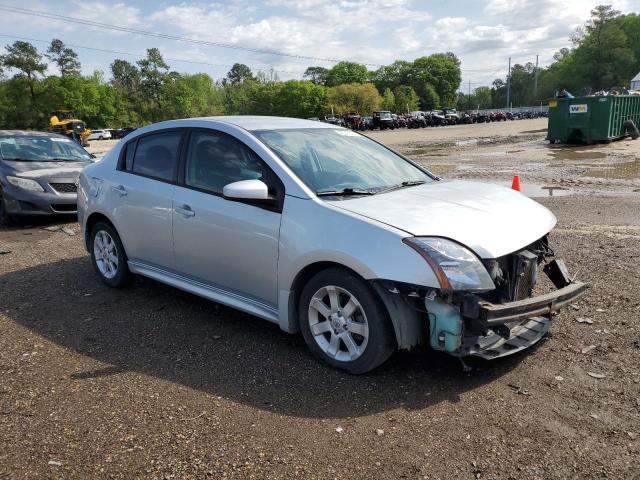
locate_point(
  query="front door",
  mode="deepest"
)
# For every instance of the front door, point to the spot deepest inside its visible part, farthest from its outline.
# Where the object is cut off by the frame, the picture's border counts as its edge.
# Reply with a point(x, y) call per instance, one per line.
point(228, 244)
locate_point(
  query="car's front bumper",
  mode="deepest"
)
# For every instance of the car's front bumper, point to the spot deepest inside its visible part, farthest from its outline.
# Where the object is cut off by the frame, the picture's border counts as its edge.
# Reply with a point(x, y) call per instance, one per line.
point(473, 326)
point(19, 202)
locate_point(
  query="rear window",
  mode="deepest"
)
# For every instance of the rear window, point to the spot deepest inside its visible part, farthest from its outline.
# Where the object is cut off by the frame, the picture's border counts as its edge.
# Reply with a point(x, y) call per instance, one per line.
point(157, 156)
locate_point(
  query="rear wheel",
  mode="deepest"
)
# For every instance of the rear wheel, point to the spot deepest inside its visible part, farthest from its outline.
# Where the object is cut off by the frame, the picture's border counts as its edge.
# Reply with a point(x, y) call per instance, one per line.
point(108, 256)
point(344, 323)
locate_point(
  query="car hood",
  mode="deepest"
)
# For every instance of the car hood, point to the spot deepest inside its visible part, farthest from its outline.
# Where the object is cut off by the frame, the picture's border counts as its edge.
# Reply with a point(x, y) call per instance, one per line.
point(489, 219)
point(46, 170)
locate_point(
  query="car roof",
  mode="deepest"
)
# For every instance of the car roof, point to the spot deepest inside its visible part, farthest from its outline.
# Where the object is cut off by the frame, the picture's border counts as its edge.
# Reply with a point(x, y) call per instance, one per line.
point(27, 133)
point(257, 122)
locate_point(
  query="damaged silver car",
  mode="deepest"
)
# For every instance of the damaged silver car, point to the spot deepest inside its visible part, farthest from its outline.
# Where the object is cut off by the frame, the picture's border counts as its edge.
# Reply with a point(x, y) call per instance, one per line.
point(324, 231)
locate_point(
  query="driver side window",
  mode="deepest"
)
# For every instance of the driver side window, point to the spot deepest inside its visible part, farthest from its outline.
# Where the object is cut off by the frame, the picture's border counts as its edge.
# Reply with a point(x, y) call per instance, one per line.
point(215, 159)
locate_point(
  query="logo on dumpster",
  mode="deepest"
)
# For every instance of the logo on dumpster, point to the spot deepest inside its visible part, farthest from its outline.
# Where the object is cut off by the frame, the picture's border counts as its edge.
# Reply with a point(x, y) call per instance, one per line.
point(578, 108)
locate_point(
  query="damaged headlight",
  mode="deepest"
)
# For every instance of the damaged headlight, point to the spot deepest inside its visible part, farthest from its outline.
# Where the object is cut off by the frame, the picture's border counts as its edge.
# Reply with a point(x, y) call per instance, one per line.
point(456, 267)
point(25, 183)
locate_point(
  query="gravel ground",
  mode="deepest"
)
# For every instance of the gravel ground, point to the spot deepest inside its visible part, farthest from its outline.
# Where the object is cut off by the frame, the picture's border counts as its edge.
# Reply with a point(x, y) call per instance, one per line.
point(151, 382)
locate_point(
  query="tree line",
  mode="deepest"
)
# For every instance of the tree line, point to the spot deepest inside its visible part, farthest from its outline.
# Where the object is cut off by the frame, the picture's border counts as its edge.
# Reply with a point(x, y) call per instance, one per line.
point(149, 90)
point(605, 53)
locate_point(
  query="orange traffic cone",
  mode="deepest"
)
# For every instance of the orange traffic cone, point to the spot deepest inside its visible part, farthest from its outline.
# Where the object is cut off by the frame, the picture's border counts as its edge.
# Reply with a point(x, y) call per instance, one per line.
point(516, 183)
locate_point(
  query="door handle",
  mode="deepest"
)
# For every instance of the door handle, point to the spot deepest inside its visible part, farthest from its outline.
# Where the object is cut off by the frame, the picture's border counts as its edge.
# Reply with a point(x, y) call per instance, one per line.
point(120, 190)
point(185, 210)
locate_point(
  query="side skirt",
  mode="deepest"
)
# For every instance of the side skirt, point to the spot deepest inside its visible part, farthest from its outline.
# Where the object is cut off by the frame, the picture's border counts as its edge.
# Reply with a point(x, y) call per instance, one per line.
point(210, 292)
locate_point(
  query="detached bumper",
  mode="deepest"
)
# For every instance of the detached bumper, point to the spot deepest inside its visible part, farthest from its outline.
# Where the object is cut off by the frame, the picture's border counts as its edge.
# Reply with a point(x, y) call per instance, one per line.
point(491, 314)
point(480, 328)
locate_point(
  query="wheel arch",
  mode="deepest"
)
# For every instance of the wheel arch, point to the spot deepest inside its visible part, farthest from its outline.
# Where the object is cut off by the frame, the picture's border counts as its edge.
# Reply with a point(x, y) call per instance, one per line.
point(92, 219)
point(408, 327)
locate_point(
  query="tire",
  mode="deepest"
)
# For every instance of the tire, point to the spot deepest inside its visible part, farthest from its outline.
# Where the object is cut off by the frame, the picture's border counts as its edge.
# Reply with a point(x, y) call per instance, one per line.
point(552, 141)
point(5, 219)
point(367, 329)
point(100, 138)
point(114, 273)
point(631, 129)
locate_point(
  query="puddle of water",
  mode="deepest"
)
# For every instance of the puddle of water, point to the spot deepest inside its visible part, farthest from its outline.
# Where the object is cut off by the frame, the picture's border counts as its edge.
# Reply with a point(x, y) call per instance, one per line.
point(574, 154)
point(618, 171)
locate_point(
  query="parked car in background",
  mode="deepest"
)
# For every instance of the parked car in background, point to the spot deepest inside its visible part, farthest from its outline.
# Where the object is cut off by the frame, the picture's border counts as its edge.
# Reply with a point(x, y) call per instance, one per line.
point(322, 230)
point(121, 132)
point(100, 134)
point(38, 174)
point(383, 120)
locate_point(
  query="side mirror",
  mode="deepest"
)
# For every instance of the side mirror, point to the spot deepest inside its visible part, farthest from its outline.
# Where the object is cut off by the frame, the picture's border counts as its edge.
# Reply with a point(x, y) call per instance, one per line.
point(247, 190)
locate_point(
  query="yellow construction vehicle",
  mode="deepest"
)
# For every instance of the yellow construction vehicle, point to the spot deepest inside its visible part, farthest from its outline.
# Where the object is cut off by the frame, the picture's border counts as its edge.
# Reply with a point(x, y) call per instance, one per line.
point(65, 123)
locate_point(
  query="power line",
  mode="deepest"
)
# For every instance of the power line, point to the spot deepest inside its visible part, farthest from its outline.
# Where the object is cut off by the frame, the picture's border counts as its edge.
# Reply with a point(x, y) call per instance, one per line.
point(118, 52)
point(106, 26)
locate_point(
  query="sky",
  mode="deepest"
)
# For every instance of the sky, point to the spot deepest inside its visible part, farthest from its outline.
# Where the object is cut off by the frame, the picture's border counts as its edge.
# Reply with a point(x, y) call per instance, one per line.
point(483, 34)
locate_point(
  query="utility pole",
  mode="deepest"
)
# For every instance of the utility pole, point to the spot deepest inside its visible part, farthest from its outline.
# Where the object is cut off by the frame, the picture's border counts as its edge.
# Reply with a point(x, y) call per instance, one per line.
point(535, 82)
point(469, 97)
point(509, 84)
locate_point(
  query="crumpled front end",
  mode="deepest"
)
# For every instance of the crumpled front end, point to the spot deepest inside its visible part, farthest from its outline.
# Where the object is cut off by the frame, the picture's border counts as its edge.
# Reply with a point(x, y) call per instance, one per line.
point(508, 318)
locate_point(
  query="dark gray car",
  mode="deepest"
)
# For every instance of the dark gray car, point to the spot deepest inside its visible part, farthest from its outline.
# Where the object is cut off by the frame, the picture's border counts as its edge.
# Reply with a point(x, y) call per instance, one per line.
point(38, 174)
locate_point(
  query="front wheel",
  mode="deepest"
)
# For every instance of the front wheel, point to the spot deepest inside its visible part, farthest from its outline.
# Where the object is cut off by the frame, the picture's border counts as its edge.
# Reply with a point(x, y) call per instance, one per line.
point(344, 323)
point(5, 218)
point(108, 256)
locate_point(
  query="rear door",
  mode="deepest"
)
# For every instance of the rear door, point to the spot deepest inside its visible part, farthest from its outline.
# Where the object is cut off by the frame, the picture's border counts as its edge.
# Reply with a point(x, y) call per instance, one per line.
point(142, 190)
point(228, 244)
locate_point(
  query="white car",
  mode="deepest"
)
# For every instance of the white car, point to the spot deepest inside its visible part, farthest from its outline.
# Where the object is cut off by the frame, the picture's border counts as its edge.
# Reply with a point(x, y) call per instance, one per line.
point(99, 135)
point(322, 230)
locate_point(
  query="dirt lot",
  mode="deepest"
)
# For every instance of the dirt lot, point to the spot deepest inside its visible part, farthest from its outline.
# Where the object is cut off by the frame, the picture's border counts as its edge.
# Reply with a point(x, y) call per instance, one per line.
point(151, 382)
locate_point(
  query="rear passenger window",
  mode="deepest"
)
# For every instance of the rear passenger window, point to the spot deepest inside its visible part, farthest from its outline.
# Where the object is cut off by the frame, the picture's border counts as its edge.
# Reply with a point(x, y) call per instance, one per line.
point(157, 156)
point(128, 156)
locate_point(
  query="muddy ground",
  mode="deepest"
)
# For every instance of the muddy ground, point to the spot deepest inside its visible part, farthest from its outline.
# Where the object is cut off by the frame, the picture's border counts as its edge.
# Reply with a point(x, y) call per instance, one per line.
point(151, 382)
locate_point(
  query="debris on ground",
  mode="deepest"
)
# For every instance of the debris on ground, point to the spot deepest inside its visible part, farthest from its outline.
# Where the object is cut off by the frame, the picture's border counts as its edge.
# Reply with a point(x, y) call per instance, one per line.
point(595, 375)
point(379, 432)
point(519, 390)
point(588, 348)
point(339, 429)
point(584, 320)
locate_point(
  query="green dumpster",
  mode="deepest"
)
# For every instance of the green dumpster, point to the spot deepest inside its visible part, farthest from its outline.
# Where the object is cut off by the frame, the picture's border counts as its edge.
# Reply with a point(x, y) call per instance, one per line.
point(592, 119)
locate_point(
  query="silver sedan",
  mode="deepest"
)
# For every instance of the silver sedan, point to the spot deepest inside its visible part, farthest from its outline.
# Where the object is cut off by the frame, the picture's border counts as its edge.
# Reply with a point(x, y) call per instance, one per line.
point(326, 232)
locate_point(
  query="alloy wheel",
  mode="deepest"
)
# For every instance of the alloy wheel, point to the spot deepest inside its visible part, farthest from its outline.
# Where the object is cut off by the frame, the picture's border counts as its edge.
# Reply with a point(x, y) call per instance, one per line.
point(105, 254)
point(338, 323)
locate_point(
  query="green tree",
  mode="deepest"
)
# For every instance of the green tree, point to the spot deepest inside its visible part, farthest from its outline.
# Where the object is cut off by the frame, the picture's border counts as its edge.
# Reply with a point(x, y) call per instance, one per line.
point(392, 76)
point(429, 100)
point(353, 97)
point(317, 75)
point(388, 100)
point(24, 57)
point(65, 58)
point(603, 51)
point(301, 98)
point(406, 99)
point(347, 72)
point(239, 73)
point(154, 74)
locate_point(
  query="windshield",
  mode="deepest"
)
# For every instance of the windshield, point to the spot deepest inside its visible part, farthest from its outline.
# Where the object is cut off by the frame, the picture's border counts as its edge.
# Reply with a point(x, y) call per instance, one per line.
point(329, 160)
point(42, 149)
